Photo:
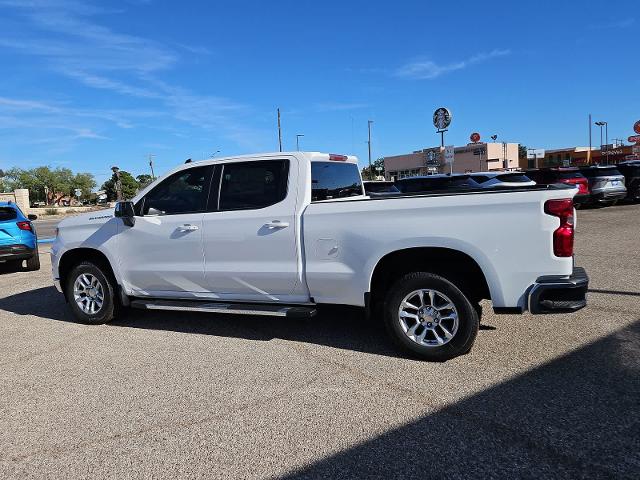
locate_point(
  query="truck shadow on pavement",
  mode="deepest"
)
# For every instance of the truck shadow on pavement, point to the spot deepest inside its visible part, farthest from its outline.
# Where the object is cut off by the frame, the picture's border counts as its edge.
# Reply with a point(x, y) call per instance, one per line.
point(575, 417)
point(339, 327)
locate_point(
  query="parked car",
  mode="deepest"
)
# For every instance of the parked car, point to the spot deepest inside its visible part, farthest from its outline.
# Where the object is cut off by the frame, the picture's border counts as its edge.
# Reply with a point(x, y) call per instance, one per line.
point(566, 175)
point(379, 187)
point(501, 179)
point(631, 171)
point(278, 234)
point(18, 239)
point(437, 182)
point(606, 184)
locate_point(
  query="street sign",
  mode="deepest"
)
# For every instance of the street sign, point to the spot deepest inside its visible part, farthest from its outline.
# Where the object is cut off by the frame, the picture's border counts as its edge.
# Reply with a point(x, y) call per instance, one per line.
point(634, 139)
point(78, 192)
point(636, 127)
point(535, 153)
point(442, 118)
point(475, 137)
point(449, 154)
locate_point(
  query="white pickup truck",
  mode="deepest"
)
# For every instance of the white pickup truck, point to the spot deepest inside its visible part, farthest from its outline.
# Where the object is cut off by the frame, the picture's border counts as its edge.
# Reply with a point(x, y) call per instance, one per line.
point(280, 233)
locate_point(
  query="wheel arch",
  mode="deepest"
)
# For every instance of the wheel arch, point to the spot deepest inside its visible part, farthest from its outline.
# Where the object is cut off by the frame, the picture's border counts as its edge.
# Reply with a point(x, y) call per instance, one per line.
point(454, 265)
point(73, 257)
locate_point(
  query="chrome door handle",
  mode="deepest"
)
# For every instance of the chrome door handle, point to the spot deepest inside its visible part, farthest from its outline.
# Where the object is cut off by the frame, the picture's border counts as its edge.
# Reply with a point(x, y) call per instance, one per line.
point(188, 228)
point(276, 224)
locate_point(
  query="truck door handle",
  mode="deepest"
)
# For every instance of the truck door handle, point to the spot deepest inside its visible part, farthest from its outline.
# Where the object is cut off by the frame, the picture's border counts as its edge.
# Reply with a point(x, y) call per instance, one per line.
point(276, 224)
point(188, 228)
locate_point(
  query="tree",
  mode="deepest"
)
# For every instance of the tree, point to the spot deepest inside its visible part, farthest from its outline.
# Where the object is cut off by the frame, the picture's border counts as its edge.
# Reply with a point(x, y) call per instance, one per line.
point(129, 186)
point(375, 165)
point(85, 182)
point(144, 180)
point(522, 151)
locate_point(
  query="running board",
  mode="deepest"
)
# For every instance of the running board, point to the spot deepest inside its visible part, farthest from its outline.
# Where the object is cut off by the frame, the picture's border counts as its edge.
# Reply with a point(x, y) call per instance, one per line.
point(230, 308)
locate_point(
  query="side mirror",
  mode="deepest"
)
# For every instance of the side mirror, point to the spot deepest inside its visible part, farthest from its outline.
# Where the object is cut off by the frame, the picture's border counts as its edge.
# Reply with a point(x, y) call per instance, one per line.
point(125, 211)
point(31, 216)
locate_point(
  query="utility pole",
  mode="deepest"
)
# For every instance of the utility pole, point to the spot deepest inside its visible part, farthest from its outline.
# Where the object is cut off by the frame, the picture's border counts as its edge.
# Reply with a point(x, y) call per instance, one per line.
point(589, 156)
point(279, 132)
point(153, 176)
point(369, 122)
point(298, 141)
point(602, 124)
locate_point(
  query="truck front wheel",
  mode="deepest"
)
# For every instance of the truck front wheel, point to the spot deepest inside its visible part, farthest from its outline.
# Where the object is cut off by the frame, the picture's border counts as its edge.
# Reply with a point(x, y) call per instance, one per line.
point(90, 294)
point(429, 317)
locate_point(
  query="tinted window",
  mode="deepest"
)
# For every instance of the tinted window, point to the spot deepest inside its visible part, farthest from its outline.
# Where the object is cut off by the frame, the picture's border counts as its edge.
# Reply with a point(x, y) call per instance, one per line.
point(600, 172)
point(183, 192)
point(480, 178)
point(7, 213)
point(513, 177)
point(570, 174)
point(250, 185)
point(334, 180)
point(380, 187)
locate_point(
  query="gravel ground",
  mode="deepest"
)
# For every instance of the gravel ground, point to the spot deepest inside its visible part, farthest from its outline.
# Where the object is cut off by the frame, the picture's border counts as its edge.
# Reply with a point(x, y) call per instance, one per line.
point(169, 395)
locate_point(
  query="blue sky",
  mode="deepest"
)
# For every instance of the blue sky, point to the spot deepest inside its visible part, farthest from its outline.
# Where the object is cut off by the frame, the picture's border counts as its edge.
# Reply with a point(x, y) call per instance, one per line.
point(87, 85)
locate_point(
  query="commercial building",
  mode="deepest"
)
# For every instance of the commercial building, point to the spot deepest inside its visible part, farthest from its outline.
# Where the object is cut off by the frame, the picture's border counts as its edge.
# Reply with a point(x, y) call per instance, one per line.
point(575, 156)
point(473, 157)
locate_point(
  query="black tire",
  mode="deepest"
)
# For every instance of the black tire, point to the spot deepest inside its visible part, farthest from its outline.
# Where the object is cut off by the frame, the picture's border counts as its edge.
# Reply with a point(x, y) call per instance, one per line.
point(468, 322)
point(108, 308)
point(33, 262)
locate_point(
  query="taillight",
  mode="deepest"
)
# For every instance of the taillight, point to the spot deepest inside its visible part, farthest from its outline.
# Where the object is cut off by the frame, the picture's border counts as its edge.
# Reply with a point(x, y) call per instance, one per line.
point(338, 158)
point(563, 235)
point(25, 226)
point(582, 183)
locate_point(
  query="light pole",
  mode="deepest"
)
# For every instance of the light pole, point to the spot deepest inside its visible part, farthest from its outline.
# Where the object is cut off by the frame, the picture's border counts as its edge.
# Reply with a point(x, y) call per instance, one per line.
point(369, 122)
point(602, 124)
point(298, 140)
point(279, 132)
point(153, 176)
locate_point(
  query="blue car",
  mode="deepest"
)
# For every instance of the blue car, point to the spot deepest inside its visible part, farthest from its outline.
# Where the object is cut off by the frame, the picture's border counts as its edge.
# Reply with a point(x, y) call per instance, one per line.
point(18, 239)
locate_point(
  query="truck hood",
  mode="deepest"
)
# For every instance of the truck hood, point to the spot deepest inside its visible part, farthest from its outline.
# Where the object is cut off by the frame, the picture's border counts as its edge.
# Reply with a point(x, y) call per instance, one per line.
point(96, 219)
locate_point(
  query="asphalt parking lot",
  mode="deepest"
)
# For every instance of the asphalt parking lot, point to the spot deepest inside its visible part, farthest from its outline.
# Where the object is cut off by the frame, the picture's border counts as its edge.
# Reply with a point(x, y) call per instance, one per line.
point(169, 395)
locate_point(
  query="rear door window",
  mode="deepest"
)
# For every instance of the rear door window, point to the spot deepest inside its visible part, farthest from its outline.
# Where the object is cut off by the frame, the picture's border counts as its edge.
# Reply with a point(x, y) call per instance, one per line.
point(608, 172)
point(8, 213)
point(331, 180)
point(253, 185)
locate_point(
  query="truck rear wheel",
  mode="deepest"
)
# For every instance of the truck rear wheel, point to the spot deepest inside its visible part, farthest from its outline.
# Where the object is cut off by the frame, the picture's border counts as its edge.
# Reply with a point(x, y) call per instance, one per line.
point(90, 294)
point(429, 317)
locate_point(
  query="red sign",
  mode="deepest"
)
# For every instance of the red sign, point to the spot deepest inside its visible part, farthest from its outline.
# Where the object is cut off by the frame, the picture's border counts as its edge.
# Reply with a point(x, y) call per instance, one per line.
point(636, 127)
point(634, 138)
point(475, 137)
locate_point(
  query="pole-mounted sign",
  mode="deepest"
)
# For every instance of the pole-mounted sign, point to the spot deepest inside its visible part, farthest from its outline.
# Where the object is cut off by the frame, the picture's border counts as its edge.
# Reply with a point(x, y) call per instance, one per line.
point(442, 118)
point(636, 127)
point(475, 137)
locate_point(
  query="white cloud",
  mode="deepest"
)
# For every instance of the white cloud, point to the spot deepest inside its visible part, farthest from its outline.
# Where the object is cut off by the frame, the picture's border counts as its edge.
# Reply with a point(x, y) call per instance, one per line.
point(614, 24)
point(66, 34)
point(427, 69)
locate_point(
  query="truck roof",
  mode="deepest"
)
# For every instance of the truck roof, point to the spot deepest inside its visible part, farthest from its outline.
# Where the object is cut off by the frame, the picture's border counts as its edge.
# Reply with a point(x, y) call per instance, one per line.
point(310, 156)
